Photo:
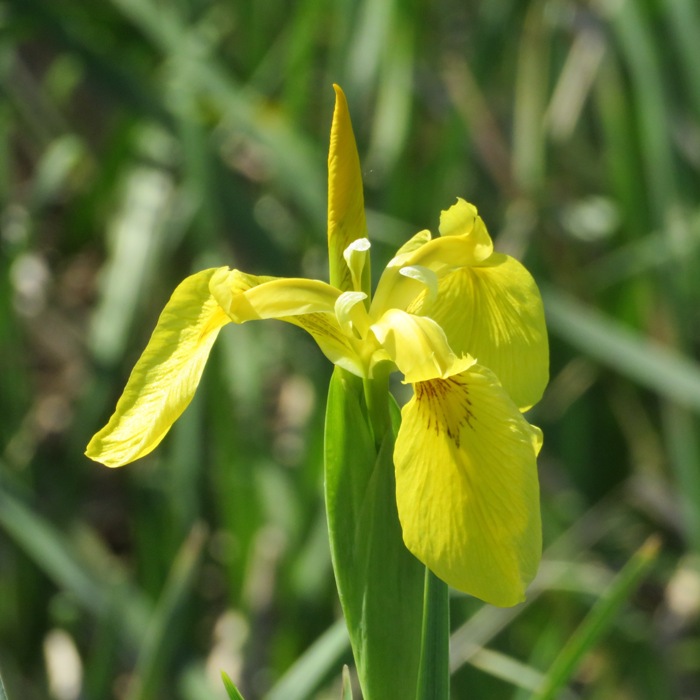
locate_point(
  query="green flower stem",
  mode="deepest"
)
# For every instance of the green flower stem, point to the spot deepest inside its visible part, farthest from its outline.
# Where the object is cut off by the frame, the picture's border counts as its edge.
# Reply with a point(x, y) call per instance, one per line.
point(434, 670)
point(376, 392)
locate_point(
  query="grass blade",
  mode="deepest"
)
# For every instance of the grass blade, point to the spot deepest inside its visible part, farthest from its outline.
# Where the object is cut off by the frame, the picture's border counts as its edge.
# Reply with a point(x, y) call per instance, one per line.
point(598, 620)
point(157, 643)
point(434, 671)
point(230, 687)
point(347, 684)
point(317, 664)
point(641, 359)
point(52, 553)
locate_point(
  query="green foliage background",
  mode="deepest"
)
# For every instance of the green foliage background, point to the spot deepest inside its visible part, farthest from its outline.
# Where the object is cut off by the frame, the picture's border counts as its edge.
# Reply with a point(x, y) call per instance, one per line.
point(144, 139)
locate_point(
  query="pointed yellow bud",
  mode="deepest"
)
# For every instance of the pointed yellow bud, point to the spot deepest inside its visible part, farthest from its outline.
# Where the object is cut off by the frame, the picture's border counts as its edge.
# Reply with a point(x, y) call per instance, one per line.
point(346, 209)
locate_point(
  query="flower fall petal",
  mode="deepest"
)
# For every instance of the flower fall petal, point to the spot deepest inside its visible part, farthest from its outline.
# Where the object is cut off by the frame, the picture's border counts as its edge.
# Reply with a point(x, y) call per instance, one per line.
point(279, 298)
point(309, 304)
point(166, 376)
point(466, 484)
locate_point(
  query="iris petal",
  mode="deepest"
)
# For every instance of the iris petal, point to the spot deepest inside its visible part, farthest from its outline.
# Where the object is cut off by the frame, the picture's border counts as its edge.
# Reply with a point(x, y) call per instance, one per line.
point(494, 312)
point(462, 219)
point(166, 376)
point(275, 298)
point(464, 242)
point(417, 345)
point(309, 304)
point(466, 484)
point(356, 257)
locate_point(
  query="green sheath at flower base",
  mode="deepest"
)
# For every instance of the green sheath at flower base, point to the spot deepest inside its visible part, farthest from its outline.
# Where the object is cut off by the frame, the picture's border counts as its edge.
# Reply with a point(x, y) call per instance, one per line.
point(465, 327)
point(379, 583)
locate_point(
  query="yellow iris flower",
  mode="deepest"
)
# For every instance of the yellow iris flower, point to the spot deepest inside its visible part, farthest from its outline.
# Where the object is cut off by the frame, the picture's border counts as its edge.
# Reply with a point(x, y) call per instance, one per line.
point(463, 324)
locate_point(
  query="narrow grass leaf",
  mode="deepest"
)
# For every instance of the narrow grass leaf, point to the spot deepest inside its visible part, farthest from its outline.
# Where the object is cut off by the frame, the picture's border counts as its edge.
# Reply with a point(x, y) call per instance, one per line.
point(393, 112)
point(434, 669)
point(508, 669)
point(636, 40)
point(531, 95)
point(53, 554)
point(135, 242)
point(347, 684)
point(231, 689)
point(159, 639)
point(641, 359)
point(318, 663)
point(681, 430)
point(684, 18)
point(599, 620)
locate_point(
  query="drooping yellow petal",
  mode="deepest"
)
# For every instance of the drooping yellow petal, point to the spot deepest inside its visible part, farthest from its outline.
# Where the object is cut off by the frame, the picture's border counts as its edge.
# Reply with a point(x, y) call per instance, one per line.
point(346, 208)
point(226, 284)
point(416, 344)
point(309, 304)
point(164, 379)
point(466, 485)
point(494, 312)
point(279, 298)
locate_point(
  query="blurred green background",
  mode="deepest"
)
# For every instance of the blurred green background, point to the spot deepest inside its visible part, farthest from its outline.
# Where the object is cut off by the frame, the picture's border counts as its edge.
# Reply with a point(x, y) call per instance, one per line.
point(143, 140)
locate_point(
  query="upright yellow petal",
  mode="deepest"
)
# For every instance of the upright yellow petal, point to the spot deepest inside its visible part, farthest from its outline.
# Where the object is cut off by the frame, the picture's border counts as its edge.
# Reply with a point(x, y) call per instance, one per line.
point(464, 242)
point(462, 219)
point(466, 485)
point(346, 208)
point(164, 379)
point(494, 312)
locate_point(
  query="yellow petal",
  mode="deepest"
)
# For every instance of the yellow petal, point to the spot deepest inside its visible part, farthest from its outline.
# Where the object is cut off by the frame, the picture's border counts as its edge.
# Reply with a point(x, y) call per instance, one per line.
point(357, 259)
point(464, 242)
point(346, 208)
point(351, 314)
point(462, 219)
point(164, 379)
point(494, 312)
point(226, 284)
point(404, 253)
point(466, 485)
point(309, 304)
point(271, 297)
point(339, 348)
point(416, 344)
